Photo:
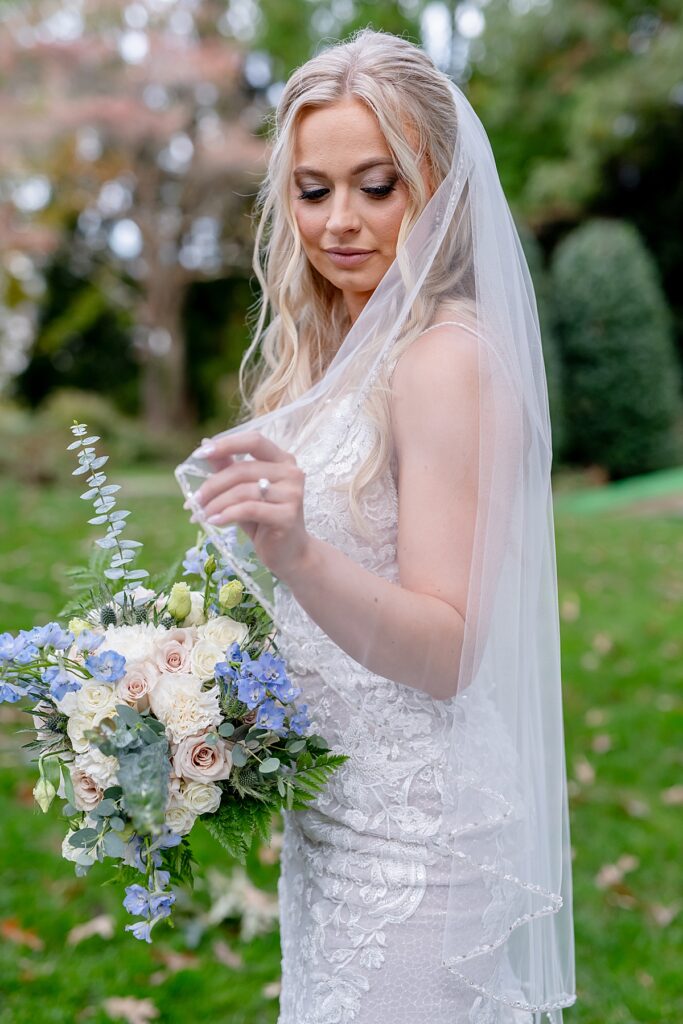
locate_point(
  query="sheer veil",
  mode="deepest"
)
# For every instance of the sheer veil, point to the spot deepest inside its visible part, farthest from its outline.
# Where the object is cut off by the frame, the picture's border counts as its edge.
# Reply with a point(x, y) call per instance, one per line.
point(504, 800)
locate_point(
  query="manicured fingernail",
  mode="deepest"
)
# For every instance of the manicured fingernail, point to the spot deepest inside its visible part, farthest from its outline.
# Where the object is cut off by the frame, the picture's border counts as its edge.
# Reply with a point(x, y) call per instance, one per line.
point(214, 518)
point(206, 449)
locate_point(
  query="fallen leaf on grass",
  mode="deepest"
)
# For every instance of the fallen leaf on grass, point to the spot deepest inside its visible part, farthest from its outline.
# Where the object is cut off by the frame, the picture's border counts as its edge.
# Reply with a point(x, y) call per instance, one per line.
point(227, 956)
point(271, 990)
point(102, 925)
point(11, 931)
point(584, 771)
point(673, 796)
point(173, 963)
point(602, 742)
point(610, 875)
point(133, 1011)
point(662, 915)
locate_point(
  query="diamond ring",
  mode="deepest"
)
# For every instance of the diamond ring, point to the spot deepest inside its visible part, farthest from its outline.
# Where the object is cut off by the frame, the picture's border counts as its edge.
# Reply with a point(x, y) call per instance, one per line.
point(263, 485)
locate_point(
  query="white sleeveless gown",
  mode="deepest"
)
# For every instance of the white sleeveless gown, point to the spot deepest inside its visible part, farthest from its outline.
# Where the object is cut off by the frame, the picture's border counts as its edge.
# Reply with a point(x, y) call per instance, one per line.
point(363, 885)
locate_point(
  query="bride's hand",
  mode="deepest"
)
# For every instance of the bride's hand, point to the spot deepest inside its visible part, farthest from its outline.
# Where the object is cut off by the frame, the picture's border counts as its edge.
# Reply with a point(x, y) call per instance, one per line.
point(275, 523)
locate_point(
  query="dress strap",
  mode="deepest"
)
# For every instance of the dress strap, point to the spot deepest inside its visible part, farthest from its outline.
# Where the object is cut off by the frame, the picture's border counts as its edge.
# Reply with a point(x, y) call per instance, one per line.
point(456, 323)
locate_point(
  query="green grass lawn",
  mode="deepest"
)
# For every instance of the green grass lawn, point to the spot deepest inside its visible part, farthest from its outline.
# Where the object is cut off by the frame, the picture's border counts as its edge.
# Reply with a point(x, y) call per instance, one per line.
point(621, 589)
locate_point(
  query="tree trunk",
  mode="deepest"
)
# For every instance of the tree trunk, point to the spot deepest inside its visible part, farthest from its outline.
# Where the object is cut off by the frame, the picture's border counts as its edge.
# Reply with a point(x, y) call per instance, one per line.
point(165, 404)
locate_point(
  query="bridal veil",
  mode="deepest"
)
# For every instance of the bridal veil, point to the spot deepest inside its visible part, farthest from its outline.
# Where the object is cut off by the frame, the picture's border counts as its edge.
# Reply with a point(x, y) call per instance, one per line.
point(505, 800)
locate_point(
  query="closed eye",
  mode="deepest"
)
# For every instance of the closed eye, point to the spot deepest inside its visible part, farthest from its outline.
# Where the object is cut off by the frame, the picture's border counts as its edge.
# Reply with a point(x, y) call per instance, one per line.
point(377, 191)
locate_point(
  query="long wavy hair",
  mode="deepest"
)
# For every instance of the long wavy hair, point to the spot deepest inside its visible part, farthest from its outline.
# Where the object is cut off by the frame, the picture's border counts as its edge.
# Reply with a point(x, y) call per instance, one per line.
point(300, 317)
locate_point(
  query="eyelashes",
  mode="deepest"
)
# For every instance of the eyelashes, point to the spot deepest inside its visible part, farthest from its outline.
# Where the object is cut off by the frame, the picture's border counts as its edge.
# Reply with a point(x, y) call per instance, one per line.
point(376, 191)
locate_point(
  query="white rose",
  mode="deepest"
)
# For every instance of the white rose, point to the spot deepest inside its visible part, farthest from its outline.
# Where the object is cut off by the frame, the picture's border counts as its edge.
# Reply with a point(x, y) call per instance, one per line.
point(135, 643)
point(98, 766)
point(185, 709)
point(223, 630)
point(76, 727)
point(179, 817)
point(174, 649)
point(96, 699)
point(87, 793)
point(68, 705)
point(202, 797)
point(196, 614)
point(194, 758)
point(204, 656)
point(74, 853)
point(140, 679)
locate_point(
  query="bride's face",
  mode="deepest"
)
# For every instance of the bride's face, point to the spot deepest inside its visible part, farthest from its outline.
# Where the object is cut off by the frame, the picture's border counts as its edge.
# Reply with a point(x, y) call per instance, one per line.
point(347, 195)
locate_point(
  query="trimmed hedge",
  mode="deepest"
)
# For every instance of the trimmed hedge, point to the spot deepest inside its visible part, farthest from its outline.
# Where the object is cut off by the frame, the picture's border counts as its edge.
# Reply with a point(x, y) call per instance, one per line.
point(621, 372)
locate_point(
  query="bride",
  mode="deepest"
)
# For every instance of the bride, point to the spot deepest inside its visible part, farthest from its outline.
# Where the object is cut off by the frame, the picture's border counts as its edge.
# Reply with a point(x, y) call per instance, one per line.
point(393, 477)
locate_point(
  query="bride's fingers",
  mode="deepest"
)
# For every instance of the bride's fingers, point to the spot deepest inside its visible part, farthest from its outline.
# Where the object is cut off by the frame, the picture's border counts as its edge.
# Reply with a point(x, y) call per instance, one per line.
point(245, 491)
point(243, 442)
point(255, 511)
point(246, 471)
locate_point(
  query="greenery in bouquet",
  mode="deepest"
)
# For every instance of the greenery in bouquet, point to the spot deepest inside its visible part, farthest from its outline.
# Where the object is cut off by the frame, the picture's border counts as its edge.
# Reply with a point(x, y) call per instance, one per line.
point(159, 706)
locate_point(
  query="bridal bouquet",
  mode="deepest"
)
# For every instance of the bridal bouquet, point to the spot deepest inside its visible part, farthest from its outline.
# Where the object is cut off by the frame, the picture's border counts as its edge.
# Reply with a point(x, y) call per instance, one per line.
point(154, 708)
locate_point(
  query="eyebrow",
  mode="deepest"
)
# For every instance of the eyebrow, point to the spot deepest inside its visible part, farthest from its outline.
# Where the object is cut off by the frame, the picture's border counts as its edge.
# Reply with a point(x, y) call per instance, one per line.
point(364, 166)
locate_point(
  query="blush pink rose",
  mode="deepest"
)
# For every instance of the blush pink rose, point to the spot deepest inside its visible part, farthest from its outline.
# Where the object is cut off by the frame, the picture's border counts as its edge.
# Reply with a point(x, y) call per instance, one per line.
point(135, 687)
point(173, 651)
point(196, 759)
point(87, 793)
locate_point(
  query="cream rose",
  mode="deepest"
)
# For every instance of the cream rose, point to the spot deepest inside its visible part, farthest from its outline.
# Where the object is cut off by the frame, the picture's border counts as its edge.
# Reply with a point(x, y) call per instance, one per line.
point(87, 793)
point(173, 651)
point(179, 817)
point(202, 797)
point(140, 679)
point(96, 699)
point(194, 758)
point(98, 766)
point(185, 709)
point(223, 631)
point(195, 616)
point(76, 727)
point(205, 654)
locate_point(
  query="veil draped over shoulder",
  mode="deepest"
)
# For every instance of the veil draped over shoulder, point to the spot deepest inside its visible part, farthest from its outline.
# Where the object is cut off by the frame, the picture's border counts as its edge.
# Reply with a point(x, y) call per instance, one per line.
point(505, 802)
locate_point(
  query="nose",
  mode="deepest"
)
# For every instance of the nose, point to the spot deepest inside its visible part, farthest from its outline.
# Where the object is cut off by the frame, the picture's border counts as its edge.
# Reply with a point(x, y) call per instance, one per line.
point(342, 217)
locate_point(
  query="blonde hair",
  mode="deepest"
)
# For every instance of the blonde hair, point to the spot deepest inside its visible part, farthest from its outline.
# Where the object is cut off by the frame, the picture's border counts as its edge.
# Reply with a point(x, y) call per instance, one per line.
point(308, 318)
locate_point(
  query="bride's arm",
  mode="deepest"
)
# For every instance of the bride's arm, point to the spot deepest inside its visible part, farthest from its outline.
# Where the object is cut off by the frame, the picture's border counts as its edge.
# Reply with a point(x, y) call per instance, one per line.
point(412, 632)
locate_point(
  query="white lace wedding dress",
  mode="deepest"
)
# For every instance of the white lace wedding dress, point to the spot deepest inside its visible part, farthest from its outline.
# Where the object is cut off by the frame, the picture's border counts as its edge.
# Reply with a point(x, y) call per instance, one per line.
point(363, 881)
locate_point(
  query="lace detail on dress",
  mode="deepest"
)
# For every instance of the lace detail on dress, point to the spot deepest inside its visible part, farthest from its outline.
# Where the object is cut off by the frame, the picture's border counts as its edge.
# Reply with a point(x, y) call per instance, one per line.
point(364, 869)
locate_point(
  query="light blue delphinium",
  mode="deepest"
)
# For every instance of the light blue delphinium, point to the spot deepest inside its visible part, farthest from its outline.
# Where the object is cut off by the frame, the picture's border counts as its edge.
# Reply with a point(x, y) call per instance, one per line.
point(300, 722)
point(271, 715)
point(60, 681)
point(107, 667)
point(10, 694)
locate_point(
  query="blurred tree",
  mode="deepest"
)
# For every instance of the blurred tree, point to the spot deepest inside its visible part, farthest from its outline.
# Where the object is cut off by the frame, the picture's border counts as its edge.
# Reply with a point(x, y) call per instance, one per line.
point(621, 380)
point(583, 103)
point(132, 122)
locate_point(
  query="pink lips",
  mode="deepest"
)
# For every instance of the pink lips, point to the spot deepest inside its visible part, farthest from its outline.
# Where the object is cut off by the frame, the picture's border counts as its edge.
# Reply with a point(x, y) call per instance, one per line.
point(348, 259)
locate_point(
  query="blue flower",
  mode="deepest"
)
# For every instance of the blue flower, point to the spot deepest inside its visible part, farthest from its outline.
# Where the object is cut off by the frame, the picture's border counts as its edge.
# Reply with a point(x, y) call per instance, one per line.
point(160, 903)
point(89, 640)
point(249, 689)
point(137, 900)
point(285, 690)
point(9, 646)
point(51, 635)
point(60, 681)
point(300, 721)
point(107, 667)
point(270, 715)
point(141, 930)
point(25, 650)
point(10, 694)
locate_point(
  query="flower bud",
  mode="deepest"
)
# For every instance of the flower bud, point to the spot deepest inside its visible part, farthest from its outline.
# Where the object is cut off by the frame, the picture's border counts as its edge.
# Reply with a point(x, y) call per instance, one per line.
point(76, 626)
point(44, 793)
point(179, 602)
point(210, 565)
point(230, 594)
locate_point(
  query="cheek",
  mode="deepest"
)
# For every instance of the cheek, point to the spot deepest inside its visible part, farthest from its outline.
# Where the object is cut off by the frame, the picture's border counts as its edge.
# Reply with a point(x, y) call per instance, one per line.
point(310, 222)
point(387, 222)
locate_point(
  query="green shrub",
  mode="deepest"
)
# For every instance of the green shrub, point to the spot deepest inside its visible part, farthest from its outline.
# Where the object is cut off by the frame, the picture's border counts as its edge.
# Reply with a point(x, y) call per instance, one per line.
point(33, 443)
point(551, 354)
point(621, 373)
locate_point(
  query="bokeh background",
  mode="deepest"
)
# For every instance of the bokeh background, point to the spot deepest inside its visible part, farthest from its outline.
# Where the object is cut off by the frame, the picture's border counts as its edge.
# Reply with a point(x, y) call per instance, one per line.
point(132, 142)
